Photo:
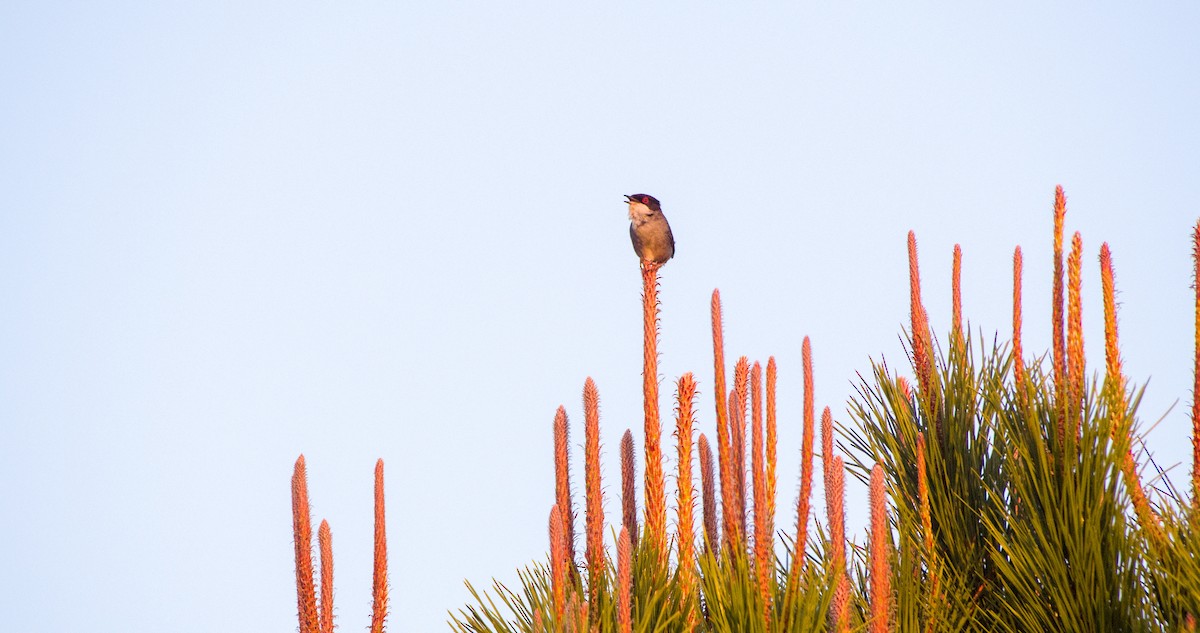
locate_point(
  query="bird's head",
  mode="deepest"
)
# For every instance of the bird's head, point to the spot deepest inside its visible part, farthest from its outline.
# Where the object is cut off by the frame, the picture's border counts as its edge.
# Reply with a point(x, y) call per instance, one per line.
point(642, 206)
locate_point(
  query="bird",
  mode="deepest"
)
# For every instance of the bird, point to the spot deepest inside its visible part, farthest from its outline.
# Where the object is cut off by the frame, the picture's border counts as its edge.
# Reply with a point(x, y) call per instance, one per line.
point(648, 228)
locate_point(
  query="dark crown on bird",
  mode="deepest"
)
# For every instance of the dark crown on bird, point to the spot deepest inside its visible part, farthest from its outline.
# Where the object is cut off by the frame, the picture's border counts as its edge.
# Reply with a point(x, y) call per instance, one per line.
point(646, 199)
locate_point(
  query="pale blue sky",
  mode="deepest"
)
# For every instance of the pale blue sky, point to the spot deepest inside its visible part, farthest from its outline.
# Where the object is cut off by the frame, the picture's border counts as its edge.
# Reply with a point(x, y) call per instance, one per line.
point(234, 233)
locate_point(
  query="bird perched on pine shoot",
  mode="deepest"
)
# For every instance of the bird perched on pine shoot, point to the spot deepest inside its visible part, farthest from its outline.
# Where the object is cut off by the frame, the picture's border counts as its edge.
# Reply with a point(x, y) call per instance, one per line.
point(648, 228)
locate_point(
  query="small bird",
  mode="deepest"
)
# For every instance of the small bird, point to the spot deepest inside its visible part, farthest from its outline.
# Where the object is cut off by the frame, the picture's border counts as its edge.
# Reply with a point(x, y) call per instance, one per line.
point(648, 228)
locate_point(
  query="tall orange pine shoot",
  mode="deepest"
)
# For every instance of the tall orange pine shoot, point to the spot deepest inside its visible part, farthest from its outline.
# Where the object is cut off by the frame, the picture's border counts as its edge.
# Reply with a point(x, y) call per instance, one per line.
point(562, 477)
point(763, 541)
point(379, 584)
point(593, 490)
point(624, 582)
point(685, 504)
point(724, 440)
point(734, 527)
point(718, 360)
point(325, 546)
point(655, 493)
point(1056, 314)
point(956, 331)
point(806, 459)
point(771, 439)
point(881, 573)
point(835, 496)
point(1114, 385)
point(628, 487)
point(1075, 360)
point(306, 598)
point(558, 562)
point(806, 449)
point(741, 383)
point(922, 341)
point(827, 450)
point(708, 496)
point(1113, 375)
point(1017, 353)
point(1196, 387)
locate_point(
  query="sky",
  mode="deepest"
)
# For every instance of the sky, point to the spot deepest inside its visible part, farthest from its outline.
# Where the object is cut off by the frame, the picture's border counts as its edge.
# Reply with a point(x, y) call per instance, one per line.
point(232, 233)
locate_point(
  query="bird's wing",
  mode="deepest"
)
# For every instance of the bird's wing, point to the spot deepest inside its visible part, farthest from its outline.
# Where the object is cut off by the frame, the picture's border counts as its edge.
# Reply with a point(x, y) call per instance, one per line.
point(670, 240)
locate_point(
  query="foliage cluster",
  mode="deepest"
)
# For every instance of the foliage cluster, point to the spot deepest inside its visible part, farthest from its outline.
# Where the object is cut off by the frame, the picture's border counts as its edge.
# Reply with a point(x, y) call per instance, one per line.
point(1016, 500)
point(1005, 495)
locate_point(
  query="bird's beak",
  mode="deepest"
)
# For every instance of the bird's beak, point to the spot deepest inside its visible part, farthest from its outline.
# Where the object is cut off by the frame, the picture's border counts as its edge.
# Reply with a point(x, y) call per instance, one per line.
point(628, 198)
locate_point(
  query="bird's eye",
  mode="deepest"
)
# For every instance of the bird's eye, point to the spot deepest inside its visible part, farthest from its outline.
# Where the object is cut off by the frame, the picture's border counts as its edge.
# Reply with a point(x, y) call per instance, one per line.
point(646, 200)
